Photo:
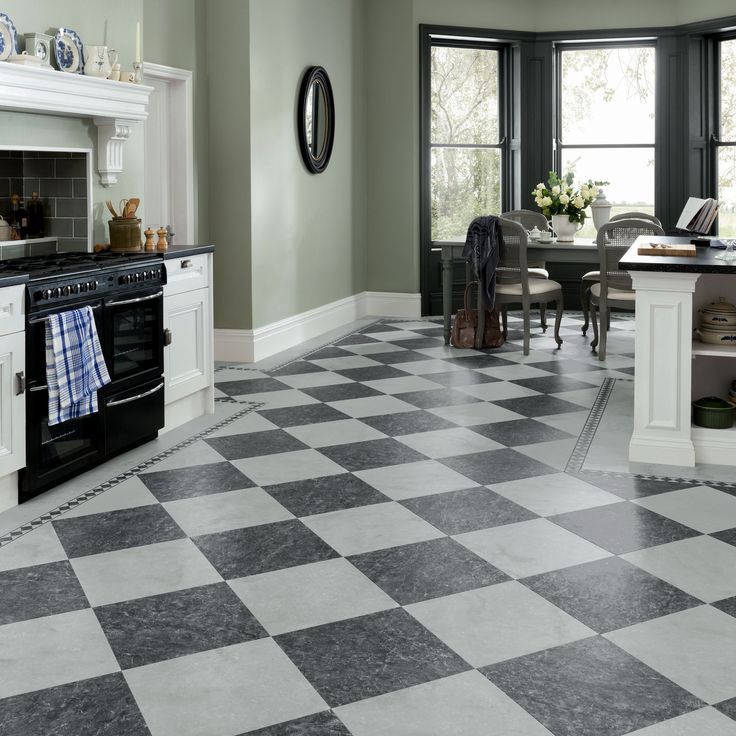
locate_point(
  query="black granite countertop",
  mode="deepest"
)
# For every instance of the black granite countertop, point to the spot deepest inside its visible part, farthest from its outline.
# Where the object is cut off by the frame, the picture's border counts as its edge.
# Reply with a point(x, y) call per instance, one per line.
point(704, 261)
point(177, 251)
point(12, 278)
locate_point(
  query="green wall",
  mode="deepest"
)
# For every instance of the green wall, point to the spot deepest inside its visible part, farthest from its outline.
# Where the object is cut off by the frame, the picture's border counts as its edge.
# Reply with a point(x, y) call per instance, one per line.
point(307, 230)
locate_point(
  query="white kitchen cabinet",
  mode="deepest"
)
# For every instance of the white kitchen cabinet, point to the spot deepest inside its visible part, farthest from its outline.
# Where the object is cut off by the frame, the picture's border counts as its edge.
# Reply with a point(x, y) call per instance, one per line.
point(188, 356)
point(12, 396)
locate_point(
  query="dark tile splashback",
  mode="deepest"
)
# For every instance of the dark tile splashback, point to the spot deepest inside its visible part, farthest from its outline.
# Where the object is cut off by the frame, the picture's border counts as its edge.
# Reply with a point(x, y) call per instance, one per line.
point(61, 182)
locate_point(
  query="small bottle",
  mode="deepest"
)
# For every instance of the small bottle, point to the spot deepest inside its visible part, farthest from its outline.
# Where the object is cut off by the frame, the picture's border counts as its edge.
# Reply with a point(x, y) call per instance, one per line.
point(14, 217)
point(35, 217)
point(23, 220)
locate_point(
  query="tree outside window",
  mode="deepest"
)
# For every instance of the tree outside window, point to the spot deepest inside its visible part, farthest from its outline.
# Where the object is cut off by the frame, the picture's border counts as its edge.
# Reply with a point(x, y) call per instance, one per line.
point(465, 139)
point(726, 146)
point(606, 122)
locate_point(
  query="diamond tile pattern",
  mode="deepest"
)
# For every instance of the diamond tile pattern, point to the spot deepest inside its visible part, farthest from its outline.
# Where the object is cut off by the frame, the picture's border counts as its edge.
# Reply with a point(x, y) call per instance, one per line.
point(379, 549)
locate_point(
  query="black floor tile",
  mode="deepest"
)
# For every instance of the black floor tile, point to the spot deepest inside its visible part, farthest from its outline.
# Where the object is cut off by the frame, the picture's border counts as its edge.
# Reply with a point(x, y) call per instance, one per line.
point(100, 706)
point(112, 530)
point(728, 536)
point(567, 366)
point(378, 327)
point(478, 361)
point(590, 688)
point(496, 466)
point(357, 339)
point(372, 373)
point(728, 605)
point(395, 357)
point(295, 416)
point(252, 386)
point(321, 495)
point(255, 444)
point(553, 384)
point(39, 590)
point(171, 625)
point(437, 397)
point(623, 527)
point(329, 352)
point(369, 655)
point(407, 422)
point(419, 343)
point(418, 572)
point(461, 378)
point(519, 432)
point(263, 548)
point(340, 392)
point(297, 368)
point(610, 594)
point(325, 723)
point(198, 480)
point(630, 487)
point(371, 454)
point(468, 510)
point(727, 707)
point(538, 406)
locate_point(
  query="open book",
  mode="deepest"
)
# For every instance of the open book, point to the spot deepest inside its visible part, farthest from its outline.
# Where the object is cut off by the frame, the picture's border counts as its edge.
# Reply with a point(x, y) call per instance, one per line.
point(698, 215)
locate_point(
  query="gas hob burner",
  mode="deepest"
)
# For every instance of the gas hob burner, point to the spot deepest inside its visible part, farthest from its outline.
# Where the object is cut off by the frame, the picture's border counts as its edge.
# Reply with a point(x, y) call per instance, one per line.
point(56, 264)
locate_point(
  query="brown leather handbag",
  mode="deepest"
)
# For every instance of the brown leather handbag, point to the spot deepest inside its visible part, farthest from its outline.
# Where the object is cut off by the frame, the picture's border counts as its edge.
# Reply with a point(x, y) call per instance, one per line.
point(466, 321)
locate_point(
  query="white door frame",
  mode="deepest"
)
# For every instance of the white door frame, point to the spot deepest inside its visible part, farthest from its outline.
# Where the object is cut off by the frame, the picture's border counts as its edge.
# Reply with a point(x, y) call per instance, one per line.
point(181, 143)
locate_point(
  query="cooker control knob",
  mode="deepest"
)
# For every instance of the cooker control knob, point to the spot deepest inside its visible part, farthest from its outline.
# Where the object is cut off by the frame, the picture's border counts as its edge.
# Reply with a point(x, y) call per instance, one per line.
point(66, 290)
point(152, 274)
point(93, 285)
point(46, 294)
point(83, 286)
point(136, 277)
point(75, 288)
point(57, 291)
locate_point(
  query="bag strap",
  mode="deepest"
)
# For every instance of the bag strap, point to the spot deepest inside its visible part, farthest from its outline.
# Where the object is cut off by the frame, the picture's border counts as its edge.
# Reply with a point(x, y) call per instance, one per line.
point(467, 306)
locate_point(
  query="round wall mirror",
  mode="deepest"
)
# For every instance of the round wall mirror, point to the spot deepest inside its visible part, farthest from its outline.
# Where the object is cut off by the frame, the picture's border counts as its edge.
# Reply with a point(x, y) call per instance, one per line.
point(316, 119)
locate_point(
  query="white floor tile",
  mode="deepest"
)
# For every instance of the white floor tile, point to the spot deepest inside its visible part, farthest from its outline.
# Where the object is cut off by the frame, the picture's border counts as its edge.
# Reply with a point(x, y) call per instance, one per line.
point(415, 479)
point(448, 442)
point(283, 467)
point(703, 722)
point(467, 415)
point(702, 508)
point(126, 495)
point(372, 406)
point(35, 548)
point(341, 432)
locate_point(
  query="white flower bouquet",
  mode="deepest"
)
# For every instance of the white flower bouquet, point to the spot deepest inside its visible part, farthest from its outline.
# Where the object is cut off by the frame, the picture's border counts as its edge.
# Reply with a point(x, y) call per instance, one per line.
point(560, 197)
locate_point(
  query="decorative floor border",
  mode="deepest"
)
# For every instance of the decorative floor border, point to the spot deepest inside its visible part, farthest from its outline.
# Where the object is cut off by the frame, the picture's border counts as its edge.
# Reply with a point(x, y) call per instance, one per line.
point(73, 503)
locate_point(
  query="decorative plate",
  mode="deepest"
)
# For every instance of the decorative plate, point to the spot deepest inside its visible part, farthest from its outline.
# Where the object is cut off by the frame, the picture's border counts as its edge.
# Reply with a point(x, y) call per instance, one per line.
point(8, 37)
point(69, 51)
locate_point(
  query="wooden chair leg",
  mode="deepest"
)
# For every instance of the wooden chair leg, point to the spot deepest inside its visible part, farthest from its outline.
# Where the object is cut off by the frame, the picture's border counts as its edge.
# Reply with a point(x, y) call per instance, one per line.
point(585, 305)
point(505, 322)
point(594, 320)
point(527, 328)
point(608, 319)
point(604, 310)
point(558, 321)
point(543, 316)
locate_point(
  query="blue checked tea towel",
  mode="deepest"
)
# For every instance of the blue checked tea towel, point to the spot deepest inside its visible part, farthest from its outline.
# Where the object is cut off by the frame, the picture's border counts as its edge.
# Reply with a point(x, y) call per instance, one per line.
point(75, 366)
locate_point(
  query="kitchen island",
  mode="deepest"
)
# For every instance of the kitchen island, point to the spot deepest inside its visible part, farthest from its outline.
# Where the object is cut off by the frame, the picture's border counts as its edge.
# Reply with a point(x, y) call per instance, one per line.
point(671, 368)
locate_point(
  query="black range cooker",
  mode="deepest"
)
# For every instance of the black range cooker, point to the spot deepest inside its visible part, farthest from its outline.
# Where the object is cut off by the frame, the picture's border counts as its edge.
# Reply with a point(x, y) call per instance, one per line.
point(125, 292)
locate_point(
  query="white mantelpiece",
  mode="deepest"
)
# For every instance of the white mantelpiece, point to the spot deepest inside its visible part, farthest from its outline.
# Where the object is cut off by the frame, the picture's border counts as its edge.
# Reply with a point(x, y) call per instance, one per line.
point(112, 106)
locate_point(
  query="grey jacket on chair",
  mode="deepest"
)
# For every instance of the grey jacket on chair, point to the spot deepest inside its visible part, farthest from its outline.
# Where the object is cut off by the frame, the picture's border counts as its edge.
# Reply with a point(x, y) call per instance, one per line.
point(483, 245)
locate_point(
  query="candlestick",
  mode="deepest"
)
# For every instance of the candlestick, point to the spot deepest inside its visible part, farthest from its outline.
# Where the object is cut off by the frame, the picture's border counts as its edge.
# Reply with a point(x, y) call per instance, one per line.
point(138, 42)
point(137, 72)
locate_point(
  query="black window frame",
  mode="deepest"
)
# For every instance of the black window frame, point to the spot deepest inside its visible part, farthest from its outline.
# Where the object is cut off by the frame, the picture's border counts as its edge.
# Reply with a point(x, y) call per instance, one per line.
point(559, 145)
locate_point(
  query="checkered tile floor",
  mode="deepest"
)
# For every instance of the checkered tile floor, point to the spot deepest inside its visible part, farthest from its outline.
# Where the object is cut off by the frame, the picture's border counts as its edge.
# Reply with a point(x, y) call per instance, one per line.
point(390, 545)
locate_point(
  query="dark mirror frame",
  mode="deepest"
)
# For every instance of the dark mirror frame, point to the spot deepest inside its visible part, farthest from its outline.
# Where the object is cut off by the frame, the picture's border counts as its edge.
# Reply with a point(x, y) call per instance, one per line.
point(316, 75)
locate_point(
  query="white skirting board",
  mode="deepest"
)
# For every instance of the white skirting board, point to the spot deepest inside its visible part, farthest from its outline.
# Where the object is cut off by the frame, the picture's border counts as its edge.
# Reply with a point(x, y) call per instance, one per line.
point(248, 346)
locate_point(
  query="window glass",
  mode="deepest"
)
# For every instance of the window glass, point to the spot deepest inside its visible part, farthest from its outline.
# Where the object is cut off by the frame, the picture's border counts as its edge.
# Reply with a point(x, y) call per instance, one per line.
point(465, 145)
point(607, 123)
point(727, 153)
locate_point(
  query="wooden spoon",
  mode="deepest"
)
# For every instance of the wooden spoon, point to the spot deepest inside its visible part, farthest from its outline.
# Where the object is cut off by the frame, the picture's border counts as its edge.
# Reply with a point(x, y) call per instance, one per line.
point(132, 206)
point(110, 207)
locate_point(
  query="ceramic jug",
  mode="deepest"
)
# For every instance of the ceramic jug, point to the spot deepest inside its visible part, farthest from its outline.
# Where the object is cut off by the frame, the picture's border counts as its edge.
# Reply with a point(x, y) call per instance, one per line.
point(4, 229)
point(98, 62)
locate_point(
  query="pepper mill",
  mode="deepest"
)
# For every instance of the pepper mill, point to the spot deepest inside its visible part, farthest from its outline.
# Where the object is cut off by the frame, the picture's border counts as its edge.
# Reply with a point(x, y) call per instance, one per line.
point(149, 239)
point(162, 242)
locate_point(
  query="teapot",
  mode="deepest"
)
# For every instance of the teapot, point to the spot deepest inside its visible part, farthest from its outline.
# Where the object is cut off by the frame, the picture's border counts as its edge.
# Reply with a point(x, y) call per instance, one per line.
point(535, 233)
point(98, 62)
point(4, 229)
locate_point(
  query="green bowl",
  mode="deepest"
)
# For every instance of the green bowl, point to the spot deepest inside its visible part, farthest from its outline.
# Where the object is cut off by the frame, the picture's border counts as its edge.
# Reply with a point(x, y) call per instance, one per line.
point(713, 413)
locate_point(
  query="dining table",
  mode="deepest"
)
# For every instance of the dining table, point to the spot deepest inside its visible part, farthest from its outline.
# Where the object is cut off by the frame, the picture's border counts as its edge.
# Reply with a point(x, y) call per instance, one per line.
point(581, 250)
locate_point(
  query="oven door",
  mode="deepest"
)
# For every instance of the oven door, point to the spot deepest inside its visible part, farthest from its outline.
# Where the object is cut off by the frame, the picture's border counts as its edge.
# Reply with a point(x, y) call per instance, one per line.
point(133, 416)
point(57, 452)
point(134, 336)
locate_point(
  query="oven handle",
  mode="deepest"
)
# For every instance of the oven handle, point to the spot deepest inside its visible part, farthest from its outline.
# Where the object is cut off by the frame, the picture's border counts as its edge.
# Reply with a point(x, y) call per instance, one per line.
point(135, 398)
point(38, 320)
point(135, 301)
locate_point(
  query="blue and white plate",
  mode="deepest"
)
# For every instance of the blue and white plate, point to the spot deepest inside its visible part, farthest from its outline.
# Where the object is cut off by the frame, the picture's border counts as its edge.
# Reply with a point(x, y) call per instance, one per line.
point(8, 37)
point(69, 51)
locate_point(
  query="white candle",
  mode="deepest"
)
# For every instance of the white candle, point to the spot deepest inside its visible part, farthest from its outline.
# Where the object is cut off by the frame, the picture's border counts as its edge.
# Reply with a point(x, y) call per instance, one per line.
point(138, 42)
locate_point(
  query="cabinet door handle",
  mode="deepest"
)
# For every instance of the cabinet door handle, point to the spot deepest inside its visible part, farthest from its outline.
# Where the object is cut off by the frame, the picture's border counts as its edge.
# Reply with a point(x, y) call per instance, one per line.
point(186, 264)
point(167, 337)
point(20, 383)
